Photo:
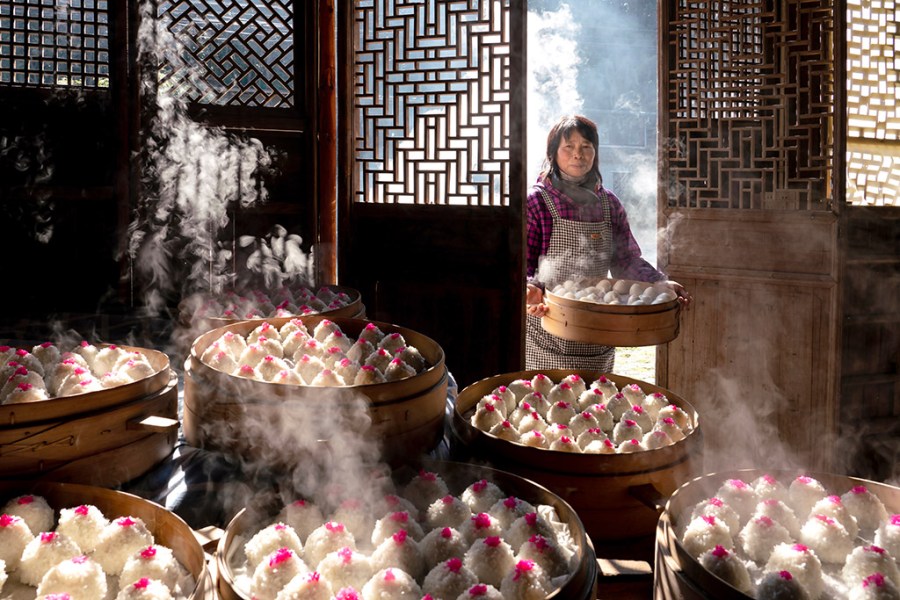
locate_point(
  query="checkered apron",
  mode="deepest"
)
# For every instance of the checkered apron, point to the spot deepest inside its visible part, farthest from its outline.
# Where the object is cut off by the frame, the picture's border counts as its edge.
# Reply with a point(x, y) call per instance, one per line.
point(546, 351)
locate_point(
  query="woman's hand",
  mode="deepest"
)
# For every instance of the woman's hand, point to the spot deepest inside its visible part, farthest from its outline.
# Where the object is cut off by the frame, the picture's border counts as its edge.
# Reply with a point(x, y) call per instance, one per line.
point(684, 298)
point(534, 301)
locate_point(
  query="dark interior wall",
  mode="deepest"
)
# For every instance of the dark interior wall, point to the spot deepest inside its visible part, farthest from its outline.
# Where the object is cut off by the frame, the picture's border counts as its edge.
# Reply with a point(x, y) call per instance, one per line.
point(870, 368)
point(57, 173)
point(74, 165)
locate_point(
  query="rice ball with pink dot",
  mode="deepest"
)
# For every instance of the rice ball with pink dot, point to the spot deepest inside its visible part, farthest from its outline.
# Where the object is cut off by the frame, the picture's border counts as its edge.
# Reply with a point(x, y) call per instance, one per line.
point(391, 583)
point(303, 516)
point(14, 536)
point(274, 572)
point(449, 579)
point(35, 510)
point(308, 586)
point(527, 581)
point(867, 507)
point(728, 567)
point(481, 495)
point(440, 544)
point(346, 568)
point(119, 540)
point(83, 524)
point(154, 562)
point(489, 559)
point(145, 589)
point(875, 587)
point(80, 577)
point(887, 536)
point(401, 551)
point(43, 553)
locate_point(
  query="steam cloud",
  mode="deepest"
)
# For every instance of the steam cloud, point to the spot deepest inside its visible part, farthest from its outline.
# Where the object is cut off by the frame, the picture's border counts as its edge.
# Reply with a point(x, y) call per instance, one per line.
point(552, 76)
point(193, 175)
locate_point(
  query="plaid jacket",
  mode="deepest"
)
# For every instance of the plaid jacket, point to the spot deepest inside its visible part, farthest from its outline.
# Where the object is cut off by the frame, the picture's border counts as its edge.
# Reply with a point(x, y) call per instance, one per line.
point(626, 261)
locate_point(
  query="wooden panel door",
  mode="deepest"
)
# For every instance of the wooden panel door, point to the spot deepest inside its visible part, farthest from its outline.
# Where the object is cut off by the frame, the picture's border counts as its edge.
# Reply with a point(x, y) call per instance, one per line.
point(756, 352)
point(431, 182)
point(747, 210)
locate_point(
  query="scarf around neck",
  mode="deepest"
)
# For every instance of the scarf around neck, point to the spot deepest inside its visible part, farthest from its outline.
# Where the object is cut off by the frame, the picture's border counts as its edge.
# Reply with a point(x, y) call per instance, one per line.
point(581, 191)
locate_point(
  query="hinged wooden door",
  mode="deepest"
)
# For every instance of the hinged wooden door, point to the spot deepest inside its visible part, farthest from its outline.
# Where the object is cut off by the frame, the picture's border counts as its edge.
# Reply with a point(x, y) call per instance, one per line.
point(431, 183)
point(746, 202)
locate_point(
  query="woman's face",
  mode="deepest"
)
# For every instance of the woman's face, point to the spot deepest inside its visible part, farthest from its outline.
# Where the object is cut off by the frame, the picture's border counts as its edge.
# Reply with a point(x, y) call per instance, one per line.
point(575, 155)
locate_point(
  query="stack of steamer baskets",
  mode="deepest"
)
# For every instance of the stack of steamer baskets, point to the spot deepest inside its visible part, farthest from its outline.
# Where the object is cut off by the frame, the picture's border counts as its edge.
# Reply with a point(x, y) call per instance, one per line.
point(613, 312)
point(439, 528)
point(238, 415)
point(618, 496)
point(778, 534)
point(106, 436)
point(258, 306)
point(96, 533)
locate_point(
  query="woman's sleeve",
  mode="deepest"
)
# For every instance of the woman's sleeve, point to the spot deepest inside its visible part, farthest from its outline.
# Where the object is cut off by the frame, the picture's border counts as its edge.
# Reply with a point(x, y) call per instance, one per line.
point(627, 262)
point(534, 234)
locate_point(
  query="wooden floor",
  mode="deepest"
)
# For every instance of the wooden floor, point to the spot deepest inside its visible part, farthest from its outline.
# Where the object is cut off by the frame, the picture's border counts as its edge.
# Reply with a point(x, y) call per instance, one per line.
point(624, 579)
point(625, 569)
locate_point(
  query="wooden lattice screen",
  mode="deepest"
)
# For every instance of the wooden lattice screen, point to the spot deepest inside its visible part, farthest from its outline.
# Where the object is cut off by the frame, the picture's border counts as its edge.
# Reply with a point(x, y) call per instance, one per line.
point(873, 103)
point(748, 92)
point(232, 53)
point(50, 43)
point(431, 102)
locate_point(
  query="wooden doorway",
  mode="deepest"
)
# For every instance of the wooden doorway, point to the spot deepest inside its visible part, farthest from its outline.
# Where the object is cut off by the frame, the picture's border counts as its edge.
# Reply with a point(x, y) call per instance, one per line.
point(746, 202)
point(431, 179)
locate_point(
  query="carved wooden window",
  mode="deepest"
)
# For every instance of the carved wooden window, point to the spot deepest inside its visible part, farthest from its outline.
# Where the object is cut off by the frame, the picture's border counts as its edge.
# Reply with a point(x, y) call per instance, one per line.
point(230, 52)
point(748, 89)
point(52, 43)
point(431, 102)
point(873, 103)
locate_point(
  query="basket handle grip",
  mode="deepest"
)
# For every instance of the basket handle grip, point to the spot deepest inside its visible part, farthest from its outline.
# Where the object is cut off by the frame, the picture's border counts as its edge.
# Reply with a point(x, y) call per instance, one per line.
point(649, 496)
point(152, 423)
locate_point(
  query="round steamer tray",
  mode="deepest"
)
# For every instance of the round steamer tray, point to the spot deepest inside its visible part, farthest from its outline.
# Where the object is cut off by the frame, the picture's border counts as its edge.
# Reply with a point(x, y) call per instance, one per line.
point(67, 406)
point(581, 585)
point(407, 416)
point(168, 529)
point(354, 309)
point(618, 496)
point(103, 438)
point(678, 575)
point(611, 324)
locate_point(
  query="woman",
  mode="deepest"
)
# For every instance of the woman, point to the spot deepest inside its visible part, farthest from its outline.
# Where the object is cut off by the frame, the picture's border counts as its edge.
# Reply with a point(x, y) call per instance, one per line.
point(576, 229)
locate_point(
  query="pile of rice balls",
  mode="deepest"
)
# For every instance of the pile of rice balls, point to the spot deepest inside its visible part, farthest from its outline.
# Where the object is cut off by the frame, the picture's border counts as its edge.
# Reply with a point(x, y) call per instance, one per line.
point(572, 415)
point(45, 371)
point(325, 356)
point(80, 553)
point(286, 301)
point(423, 541)
point(797, 540)
point(616, 292)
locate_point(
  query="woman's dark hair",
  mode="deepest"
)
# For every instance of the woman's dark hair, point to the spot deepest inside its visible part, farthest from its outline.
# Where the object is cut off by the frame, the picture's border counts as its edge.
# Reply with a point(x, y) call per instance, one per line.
point(562, 130)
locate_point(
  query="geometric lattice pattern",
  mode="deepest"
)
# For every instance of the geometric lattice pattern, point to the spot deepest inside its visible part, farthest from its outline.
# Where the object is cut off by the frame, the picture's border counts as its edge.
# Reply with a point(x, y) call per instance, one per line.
point(873, 103)
point(230, 52)
point(431, 100)
point(749, 92)
point(50, 43)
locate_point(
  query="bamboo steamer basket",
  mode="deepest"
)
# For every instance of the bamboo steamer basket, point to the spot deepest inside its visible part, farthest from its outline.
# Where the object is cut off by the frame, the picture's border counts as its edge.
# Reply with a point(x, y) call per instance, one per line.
point(73, 438)
point(354, 309)
point(168, 529)
point(611, 324)
point(406, 416)
point(617, 496)
point(678, 575)
point(581, 584)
